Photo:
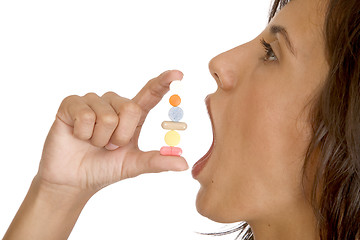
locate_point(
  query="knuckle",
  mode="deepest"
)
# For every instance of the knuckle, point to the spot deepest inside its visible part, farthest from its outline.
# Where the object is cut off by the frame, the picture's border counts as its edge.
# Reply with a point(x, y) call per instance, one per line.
point(86, 116)
point(68, 99)
point(66, 104)
point(158, 88)
point(132, 108)
point(152, 165)
point(108, 120)
point(109, 94)
point(91, 95)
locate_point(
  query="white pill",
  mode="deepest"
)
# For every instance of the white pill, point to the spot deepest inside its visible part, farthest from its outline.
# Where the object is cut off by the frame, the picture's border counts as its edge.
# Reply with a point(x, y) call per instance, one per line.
point(176, 87)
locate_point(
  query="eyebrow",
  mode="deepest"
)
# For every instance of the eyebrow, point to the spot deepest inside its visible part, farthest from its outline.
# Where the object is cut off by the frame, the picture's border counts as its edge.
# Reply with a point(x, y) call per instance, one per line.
point(274, 29)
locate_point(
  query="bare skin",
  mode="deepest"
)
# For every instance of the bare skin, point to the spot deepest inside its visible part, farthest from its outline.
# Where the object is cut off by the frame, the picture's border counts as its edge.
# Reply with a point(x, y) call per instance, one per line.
point(254, 172)
point(92, 143)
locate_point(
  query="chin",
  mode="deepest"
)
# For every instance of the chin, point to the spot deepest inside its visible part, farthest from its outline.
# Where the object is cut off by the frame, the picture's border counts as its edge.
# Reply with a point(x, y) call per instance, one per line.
point(212, 209)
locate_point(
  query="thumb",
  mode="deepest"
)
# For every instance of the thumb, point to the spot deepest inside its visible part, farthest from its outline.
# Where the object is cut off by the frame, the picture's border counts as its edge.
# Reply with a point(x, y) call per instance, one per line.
point(152, 162)
point(155, 89)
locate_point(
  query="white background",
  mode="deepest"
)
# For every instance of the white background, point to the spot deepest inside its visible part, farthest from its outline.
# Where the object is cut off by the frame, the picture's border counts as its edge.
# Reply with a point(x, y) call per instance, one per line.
point(52, 49)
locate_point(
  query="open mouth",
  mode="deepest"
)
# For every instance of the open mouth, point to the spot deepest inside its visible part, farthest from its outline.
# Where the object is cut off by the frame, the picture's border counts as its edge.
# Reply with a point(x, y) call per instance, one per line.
point(199, 165)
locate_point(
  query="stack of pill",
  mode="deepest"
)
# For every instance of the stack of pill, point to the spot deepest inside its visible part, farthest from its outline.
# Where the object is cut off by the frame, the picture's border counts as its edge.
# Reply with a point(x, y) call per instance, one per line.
point(172, 137)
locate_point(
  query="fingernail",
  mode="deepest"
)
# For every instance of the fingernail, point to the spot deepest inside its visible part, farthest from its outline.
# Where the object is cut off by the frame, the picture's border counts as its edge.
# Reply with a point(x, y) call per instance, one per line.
point(111, 147)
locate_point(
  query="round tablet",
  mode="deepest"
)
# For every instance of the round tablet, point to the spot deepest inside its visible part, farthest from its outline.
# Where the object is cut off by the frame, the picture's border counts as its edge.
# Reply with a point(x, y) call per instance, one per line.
point(176, 87)
point(172, 138)
point(176, 114)
point(175, 100)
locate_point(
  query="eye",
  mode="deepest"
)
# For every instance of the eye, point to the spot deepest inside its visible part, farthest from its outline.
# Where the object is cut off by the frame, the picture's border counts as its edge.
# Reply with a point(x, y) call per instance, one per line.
point(269, 52)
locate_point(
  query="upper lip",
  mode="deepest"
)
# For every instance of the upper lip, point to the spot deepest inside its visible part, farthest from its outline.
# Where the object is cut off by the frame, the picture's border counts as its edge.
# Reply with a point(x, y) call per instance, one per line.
point(207, 102)
point(206, 156)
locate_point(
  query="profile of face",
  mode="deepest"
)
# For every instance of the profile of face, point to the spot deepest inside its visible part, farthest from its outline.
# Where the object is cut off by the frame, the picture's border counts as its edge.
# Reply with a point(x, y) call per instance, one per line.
point(260, 120)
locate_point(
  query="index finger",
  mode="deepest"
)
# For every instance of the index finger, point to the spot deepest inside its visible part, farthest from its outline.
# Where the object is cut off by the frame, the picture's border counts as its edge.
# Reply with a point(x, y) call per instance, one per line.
point(155, 89)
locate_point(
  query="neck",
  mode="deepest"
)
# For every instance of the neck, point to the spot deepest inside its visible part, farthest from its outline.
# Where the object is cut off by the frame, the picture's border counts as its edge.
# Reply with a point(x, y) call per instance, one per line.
point(297, 223)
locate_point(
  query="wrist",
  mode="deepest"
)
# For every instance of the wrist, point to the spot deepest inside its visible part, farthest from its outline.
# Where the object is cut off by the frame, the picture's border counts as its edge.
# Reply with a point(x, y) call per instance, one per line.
point(56, 195)
point(49, 211)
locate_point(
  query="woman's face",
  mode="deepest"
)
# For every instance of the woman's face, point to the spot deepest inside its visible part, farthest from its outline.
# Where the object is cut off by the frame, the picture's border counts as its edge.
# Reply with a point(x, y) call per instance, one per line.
point(261, 133)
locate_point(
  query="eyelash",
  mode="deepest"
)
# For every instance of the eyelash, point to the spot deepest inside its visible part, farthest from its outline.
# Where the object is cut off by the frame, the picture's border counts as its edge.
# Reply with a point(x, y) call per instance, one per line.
point(269, 51)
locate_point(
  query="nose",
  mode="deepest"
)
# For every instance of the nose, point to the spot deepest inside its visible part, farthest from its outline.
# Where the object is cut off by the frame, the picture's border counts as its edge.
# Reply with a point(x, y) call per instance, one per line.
point(224, 70)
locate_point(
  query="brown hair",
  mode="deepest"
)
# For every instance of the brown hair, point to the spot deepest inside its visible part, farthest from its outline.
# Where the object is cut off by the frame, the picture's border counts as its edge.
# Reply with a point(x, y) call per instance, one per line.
point(336, 127)
point(335, 120)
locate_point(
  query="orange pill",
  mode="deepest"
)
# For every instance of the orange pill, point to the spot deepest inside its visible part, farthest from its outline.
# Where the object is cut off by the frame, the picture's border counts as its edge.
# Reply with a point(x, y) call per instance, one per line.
point(175, 100)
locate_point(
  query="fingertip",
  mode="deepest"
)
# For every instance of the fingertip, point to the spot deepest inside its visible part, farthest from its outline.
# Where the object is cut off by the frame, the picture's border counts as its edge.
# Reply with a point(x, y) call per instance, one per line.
point(173, 75)
point(181, 74)
point(111, 147)
point(181, 164)
point(154, 162)
point(178, 75)
point(171, 163)
point(184, 167)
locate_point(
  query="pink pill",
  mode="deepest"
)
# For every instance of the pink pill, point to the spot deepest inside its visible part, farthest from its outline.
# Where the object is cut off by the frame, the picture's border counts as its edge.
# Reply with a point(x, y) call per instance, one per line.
point(170, 151)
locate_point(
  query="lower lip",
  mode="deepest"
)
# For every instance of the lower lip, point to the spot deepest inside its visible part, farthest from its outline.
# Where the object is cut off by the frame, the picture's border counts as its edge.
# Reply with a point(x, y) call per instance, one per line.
point(199, 165)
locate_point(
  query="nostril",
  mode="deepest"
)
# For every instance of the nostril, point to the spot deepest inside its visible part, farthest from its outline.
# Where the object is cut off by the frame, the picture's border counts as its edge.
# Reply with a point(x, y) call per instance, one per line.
point(218, 79)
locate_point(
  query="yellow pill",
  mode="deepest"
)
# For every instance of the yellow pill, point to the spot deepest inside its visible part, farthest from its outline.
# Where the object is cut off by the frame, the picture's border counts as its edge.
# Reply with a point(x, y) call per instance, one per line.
point(172, 138)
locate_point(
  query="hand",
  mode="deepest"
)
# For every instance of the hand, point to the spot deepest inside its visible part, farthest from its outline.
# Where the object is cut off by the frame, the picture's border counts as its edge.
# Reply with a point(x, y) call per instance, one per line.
point(94, 140)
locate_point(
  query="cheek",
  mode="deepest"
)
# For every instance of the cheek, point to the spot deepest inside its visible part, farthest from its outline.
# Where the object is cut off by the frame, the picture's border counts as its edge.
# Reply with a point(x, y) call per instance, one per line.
point(269, 119)
point(259, 152)
point(260, 122)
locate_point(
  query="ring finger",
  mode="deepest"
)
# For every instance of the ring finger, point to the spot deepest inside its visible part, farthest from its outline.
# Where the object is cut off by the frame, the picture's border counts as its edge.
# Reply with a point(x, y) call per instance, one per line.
point(106, 119)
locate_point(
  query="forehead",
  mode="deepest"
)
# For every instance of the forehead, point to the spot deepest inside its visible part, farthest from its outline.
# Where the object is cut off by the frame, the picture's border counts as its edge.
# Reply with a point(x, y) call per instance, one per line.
point(304, 20)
